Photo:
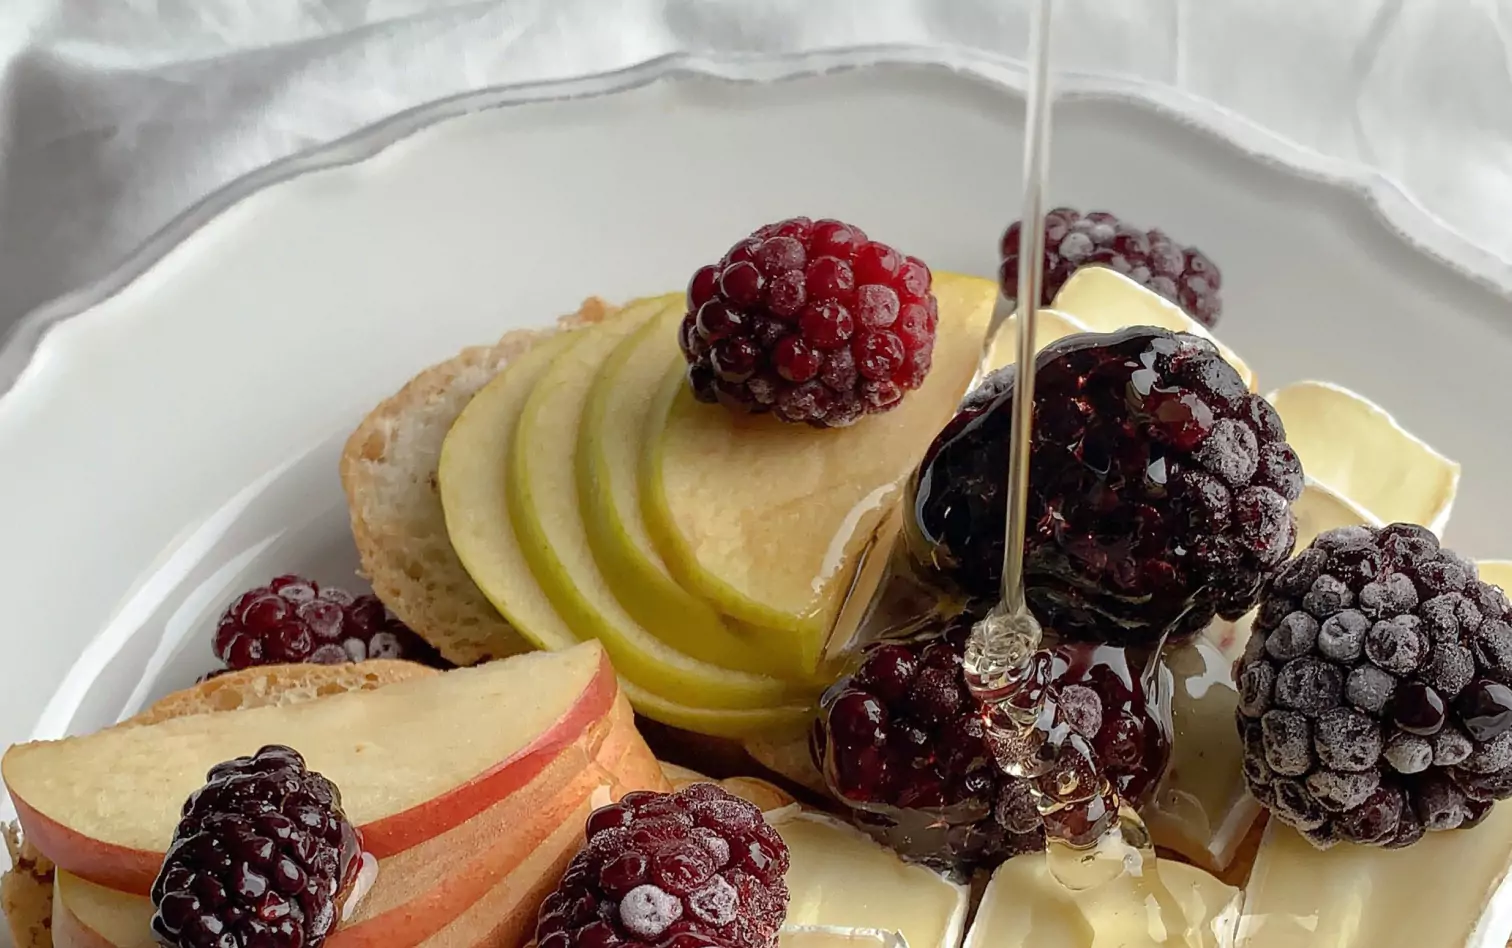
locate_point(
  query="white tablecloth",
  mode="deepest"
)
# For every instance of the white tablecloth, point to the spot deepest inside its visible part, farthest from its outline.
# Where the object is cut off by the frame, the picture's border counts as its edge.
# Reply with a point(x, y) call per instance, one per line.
point(118, 114)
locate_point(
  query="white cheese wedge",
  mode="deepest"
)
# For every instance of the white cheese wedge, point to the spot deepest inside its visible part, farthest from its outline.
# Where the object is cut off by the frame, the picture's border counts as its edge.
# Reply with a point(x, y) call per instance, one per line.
point(1354, 447)
point(1049, 325)
point(1105, 301)
point(1448, 890)
point(840, 878)
point(1496, 572)
point(1201, 808)
point(1024, 905)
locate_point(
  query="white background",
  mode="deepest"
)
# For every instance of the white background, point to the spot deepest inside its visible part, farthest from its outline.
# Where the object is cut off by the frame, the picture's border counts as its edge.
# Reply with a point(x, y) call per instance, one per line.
point(119, 114)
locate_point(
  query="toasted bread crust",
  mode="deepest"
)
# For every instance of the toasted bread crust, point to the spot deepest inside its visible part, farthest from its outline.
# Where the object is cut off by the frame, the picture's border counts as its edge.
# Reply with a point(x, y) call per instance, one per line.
point(388, 470)
point(278, 684)
point(26, 891)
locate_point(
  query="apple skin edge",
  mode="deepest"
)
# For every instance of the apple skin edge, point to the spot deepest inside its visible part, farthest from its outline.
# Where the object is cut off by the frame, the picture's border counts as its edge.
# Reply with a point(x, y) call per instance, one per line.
point(396, 833)
point(511, 855)
point(134, 870)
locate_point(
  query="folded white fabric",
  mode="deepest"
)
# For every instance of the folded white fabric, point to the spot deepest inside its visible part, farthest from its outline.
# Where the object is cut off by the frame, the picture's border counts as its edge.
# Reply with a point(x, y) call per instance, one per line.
point(119, 114)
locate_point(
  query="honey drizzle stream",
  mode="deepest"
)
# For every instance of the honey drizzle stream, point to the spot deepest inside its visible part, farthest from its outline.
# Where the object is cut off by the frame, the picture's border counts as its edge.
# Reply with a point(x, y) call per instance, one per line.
point(1092, 835)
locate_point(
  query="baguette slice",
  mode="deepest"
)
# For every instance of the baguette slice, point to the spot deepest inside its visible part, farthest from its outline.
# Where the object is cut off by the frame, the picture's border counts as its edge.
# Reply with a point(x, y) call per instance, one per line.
point(278, 685)
point(388, 470)
point(26, 891)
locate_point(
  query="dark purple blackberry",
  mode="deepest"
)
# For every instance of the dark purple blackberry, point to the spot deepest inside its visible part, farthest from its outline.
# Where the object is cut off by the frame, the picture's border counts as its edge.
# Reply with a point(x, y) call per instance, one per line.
point(1161, 489)
point(1183, 275)
point(1373, 693)
point(293, 620)
point(262, 856)
point(900, 741)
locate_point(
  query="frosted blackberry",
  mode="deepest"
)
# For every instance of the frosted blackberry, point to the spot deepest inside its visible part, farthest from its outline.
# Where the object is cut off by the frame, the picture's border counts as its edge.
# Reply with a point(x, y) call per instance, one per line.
point(263, 855)
point(1374, 696)
point(900, 741)
point(698, 868)
point(1160, 489)
point(1183, 275)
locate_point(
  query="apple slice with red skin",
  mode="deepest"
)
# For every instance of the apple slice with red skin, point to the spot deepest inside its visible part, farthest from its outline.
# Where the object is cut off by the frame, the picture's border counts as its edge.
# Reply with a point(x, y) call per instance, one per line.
point(412, 760)
point(89, 916)
point(433, 892)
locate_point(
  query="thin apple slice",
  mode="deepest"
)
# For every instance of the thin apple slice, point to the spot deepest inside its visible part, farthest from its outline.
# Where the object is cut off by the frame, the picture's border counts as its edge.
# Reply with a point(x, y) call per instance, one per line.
point(610, 446)
point(840, 877)
point(1353, 446)
point(86, 915)
point(412, 760)
point(422, 888)
point(1106, 300)
point(1025, 905)
point(478, 520)
point(543, 505)
point(766, 519)
point(1441, 892)
point(482, 531)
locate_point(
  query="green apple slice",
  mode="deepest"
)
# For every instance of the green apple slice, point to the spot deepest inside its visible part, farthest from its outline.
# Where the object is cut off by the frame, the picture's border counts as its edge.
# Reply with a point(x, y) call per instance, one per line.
point(471, 484)
point(767, 520)
point(610, 445)
point(541, 488)
point(470, 478)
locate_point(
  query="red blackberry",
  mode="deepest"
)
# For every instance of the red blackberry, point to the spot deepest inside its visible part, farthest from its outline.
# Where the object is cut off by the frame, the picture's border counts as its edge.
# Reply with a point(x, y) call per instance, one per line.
point(1373, 693)
point(262, 856)
point(293, 620)
point(1183, 275)
point(811, 321)
point(900, 740)
point(1161, 489)
point(698, 868)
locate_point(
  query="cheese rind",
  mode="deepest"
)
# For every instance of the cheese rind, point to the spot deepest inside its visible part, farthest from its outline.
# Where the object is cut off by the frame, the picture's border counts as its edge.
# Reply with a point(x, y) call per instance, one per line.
point(1448, 890)
point(831, 936)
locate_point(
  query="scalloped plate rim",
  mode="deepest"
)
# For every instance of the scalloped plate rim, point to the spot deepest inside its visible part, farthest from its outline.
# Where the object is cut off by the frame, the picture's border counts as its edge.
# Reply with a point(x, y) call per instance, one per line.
point(1399, 214)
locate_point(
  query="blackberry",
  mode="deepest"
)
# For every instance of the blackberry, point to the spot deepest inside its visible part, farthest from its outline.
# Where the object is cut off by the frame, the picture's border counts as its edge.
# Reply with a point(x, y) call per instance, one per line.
point(698, 868)
point(1160, 489)
point(900, 741)
point(263, 855)
point(811, 321)
point(1374, 697)
point(1183, 275)
point(293, 620)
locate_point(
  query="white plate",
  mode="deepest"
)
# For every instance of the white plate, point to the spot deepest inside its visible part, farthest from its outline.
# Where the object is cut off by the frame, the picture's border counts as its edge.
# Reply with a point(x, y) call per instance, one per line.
point(272, 317)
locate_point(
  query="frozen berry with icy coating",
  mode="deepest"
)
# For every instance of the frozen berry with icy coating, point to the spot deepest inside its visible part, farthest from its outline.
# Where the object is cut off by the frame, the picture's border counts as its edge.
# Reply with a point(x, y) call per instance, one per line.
point(263, 855)
point(1183, 275)
point(811, 321)
point(698, 868)
point(294, 620)
point(1160, 489)
point(900, 741)
point(1374, 697)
